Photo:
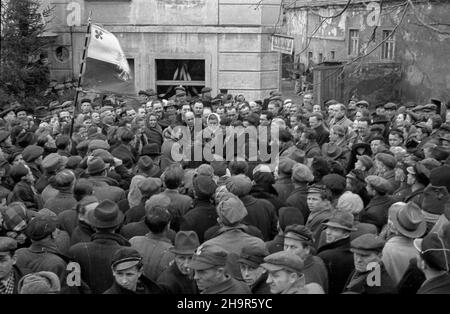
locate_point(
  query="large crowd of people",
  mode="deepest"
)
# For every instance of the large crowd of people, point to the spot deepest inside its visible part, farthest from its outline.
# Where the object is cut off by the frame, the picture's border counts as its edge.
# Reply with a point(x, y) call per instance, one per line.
point(356, 200)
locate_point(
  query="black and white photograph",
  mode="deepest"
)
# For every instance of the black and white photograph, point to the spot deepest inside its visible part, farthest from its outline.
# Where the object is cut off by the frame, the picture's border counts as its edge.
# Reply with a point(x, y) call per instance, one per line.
point(240, 148)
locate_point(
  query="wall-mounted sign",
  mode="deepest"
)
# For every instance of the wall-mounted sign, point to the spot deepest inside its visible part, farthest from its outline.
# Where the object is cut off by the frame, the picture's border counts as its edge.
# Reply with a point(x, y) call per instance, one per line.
point(74, 15)
point(283, 44)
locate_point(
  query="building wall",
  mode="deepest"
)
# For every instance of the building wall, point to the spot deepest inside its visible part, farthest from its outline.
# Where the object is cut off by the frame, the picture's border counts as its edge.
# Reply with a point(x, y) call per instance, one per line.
point(423, 55)
point(233, 37)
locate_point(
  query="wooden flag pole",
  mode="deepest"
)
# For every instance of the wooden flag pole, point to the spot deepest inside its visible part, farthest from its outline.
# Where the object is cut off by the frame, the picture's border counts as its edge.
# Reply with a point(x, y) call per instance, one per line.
point(80, 75)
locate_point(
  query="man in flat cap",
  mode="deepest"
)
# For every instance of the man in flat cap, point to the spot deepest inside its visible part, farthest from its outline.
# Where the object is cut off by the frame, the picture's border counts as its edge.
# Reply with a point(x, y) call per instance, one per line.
point(301, 176)
point(298, 239)
point(376, 212)
point(253, 274)
point(385, 168)
point(370, 275)
point(210, 272)
point(319, 204)
point(285, 271)
point(43, 254)
point(336, 252)
point(10, 274)
point(126, 266)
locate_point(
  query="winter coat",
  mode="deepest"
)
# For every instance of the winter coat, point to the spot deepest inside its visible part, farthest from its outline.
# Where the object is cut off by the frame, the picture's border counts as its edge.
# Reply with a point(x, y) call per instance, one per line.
point(436, 285)
point(82, 233)
point(199, 219)
point(267, 193)
point(284, 187)
point(262, 215)
point(338, 260)
point(377, 211)
point(229, 286)
point(175, 282)
point(155, 252)
point(64, 200)
point(179, 205)
point(95, 259)
point(297, 199)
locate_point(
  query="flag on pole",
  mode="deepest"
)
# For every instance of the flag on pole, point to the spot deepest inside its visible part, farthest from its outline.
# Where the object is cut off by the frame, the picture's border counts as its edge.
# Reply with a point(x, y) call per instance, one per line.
point(107, 68)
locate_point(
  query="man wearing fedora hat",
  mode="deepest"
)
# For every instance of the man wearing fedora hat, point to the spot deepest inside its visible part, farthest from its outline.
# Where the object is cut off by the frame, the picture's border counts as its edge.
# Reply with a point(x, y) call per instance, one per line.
point(178, 278)
point(336, 252)
point(95, 257)
point(366, 251)
point(434, 251)
point(405, 223)
point(126, 266)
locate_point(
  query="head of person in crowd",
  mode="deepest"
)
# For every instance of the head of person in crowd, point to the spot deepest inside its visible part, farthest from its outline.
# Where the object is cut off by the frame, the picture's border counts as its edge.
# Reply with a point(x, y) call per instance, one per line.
point(320, 168)
point(363, 163)
point(308, 100)
point(15, 221)
point(173, 177)
point(315, 120)
point(106, 217)
point(64, 180)
point(157, 109)
point(208, 264)
point(434, 252)
point(340, 112)
point(339, 226)
point(301, 175)
point(319, 198)
point(127, 267)
point(86, 106)
point(308, 137)
point(185, 245)
point(197, 109)
point(350, 202)
point(42, 229)
point(285, 269)
point(8, 259)
point(367, 250)
point(274, 107)
point(406, 220)
point(422, 131)
point(317, 108)
point(299, 240)
point(377, 186)
point(230, 210)
point(377, 145)
point(204, 187)
point(336, 184)
point(43, 282)
point(250, 261)
point(396, 138)
point(22, 173)
point(86, 205)
point(265, 118)
point(390, 109)
point(106, 116)
point(384, 162)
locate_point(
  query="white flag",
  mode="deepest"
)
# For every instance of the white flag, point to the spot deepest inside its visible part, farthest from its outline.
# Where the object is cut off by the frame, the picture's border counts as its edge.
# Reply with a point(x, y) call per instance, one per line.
point(104, 46)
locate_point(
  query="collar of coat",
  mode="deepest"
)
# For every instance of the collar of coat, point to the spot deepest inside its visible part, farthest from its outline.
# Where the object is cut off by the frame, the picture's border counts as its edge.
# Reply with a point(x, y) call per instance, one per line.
point(379, 200)
point(108, 238)
point(220, 287)
point(343, 244)
point(267, 191)
point(441, 283)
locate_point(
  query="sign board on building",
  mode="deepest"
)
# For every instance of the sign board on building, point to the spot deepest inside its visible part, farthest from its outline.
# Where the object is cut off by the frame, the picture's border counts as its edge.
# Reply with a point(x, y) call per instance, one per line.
point(283, 44)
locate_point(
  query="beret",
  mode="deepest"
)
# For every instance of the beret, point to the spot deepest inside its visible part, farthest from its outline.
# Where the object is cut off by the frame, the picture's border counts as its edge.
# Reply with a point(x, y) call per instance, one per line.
point(209, 256)
point(387, 160)
point(302, 173)
point(380, 184)
point(7, 244)
point(350, 202)
point(125, 257)
point(231, 209)
point(253, 255)
point(32, 152)
point(367, 242)
point(239, 185)
point(283, 260)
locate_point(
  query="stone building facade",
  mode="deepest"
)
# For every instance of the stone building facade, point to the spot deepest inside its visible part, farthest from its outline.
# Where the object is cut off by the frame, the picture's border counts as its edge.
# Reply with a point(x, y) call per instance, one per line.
point(223, 44)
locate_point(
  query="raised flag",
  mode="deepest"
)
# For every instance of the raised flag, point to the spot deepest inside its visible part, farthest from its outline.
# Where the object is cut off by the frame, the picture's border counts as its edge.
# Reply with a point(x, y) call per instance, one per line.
point(107, 67)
